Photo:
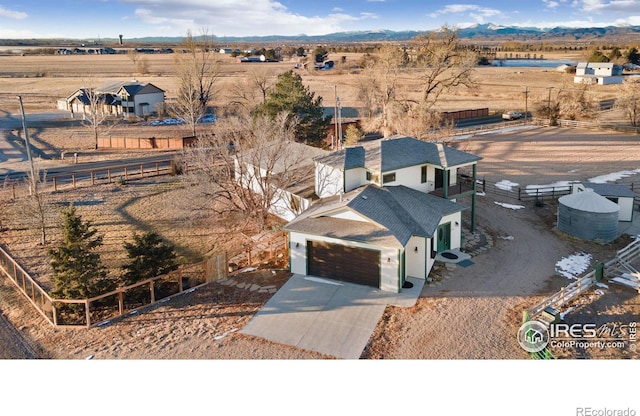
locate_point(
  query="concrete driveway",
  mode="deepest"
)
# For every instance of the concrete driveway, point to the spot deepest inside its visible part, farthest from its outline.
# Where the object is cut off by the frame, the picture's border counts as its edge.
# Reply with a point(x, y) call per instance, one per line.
point(326, 316)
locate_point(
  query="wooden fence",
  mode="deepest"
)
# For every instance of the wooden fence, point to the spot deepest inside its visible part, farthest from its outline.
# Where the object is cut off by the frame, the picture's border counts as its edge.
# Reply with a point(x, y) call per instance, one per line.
point(122, 301)
point(91, 177)
point(118, 142)
point(566, 294)
point(464, 114)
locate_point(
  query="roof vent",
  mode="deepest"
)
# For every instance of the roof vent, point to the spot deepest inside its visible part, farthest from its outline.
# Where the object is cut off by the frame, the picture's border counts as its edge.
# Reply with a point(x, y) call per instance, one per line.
point(364, 197)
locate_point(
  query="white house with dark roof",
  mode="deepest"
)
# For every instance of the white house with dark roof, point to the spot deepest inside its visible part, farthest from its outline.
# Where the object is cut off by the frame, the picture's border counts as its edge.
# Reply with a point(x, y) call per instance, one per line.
point(387, 209)
point(399, 160)
point(375, 236)
point(602, 73)
point(126, 98)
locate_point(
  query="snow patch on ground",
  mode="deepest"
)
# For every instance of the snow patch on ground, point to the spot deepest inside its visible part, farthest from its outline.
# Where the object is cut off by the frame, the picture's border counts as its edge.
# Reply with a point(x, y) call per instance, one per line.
point(532, 189)
point(565, 313)
point(612, 177)
point(509, 206)
point(481, 194)
point(506, 185)
point(508, 237)
point(573, 266)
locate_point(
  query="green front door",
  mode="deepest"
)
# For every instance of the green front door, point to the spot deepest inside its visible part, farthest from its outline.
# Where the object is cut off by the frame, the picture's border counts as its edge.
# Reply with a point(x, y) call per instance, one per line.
point(444, 237)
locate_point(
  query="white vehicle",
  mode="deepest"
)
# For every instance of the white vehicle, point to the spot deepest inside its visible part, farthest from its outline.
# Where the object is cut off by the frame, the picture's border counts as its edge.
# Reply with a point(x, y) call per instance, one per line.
point(511, 115)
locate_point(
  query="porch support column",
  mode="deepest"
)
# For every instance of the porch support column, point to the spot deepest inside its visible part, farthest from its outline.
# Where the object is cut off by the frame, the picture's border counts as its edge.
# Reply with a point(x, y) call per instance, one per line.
point(473, 199)
point(445, 183)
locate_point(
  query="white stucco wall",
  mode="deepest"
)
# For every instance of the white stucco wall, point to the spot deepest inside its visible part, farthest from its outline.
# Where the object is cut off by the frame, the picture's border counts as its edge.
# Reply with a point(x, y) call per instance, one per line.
point(152, 99)
point(416, 261)
point(282, 207)
point(329, 180)
point(626, 209)
point(389, 279)
point(354, 178)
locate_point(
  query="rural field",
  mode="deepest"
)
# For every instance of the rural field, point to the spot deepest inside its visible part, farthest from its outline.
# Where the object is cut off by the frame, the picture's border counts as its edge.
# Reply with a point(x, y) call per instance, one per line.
point(510, 276)
point(42, 80)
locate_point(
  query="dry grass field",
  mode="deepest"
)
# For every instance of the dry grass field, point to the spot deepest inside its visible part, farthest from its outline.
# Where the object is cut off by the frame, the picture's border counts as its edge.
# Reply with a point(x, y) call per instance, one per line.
point(41, 80)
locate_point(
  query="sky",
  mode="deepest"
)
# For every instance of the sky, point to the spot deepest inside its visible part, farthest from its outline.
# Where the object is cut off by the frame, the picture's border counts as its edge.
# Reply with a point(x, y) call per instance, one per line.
point(94, 19)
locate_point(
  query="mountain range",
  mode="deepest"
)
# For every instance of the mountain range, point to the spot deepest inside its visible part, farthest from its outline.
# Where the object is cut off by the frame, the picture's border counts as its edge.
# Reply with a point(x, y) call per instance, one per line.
point(478, 33)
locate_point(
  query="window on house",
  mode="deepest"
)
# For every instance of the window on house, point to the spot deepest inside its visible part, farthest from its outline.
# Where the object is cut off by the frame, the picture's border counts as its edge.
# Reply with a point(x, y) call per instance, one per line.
point(612, 199)
point(389, 177)
point(368, 175)
point(423, 175)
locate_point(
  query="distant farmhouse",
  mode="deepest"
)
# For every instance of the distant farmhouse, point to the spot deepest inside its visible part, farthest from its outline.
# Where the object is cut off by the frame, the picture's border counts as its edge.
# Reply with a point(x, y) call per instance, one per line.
point(127, 99)
point(601, 73)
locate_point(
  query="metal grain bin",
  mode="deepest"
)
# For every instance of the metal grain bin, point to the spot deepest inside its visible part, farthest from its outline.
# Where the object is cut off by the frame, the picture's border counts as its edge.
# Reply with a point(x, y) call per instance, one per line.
point(589, 216)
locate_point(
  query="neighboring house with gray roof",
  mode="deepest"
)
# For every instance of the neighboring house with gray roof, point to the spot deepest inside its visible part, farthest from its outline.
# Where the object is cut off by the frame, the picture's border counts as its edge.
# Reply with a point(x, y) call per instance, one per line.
point(617, 193)
point(372, 235)
point(120, 98)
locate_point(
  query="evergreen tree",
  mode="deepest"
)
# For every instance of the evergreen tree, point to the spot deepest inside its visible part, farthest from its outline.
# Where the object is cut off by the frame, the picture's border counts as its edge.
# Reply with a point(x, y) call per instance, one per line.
point(633, 56)
point(78, 272)
point(291, 96)
point(149, 257)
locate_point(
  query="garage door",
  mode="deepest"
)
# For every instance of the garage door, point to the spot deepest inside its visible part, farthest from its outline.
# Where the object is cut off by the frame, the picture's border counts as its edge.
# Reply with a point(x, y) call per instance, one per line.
point(348, 264)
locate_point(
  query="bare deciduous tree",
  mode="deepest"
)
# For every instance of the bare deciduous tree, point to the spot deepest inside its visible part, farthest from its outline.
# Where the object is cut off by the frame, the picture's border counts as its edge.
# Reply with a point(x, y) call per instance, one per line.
point(378, 88)
point(577, 102)
point(243, 166)
point(439, 62)
point(197, 73)
point(445, 64)
point(97, 115)
point(629, 101)
point(34, 211)
point(248, 93)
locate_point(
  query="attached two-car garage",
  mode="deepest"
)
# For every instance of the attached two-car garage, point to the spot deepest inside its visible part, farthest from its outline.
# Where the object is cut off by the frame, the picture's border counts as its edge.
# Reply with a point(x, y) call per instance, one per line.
point(340, 262)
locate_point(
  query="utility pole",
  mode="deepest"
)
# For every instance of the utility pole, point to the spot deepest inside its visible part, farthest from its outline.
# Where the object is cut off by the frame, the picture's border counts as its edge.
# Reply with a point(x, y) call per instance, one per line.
point(526, 103)
point(335, 118)
point(34, 182)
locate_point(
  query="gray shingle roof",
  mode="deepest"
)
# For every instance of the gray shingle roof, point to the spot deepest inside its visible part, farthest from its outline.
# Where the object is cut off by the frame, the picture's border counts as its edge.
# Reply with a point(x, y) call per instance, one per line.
point(396, 153)
point(402, 152)
point(396, 213)
point(610, 189)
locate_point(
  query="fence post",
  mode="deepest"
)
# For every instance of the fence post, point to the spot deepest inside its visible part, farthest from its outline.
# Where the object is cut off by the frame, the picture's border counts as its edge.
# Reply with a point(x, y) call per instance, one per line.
point(519, 190)
point(121, 303)
point(55, 184)
point(141, 170)
point(125, 173)
point(152, 290)
point(13, 190)
point(73, 179)
point(93, 179)
point(88, 311)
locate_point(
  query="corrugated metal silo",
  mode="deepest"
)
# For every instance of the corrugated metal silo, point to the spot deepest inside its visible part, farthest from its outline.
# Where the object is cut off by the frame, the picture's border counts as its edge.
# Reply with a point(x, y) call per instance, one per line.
point(589, 216)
